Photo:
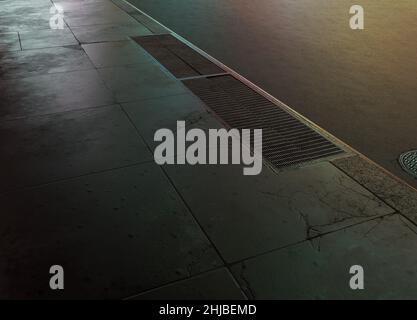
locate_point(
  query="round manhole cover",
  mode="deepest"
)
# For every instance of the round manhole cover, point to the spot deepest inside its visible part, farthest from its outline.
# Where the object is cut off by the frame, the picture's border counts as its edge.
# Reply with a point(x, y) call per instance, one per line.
point(408, 161)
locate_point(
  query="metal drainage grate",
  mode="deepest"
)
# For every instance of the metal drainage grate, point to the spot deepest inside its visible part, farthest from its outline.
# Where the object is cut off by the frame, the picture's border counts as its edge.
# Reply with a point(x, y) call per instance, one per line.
point(177, 57)
point(408, 162)
point(286, 140)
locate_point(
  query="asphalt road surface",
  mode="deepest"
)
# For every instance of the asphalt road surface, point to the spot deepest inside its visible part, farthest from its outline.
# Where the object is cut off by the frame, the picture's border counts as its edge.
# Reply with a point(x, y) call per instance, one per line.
point(360, 85)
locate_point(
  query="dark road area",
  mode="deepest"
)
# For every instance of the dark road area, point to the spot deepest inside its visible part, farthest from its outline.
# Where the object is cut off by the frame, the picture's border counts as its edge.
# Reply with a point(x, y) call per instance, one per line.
point(360, 85)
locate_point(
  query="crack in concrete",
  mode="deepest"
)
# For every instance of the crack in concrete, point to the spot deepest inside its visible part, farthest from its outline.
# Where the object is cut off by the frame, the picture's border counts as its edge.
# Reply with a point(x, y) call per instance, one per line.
point(247, 287)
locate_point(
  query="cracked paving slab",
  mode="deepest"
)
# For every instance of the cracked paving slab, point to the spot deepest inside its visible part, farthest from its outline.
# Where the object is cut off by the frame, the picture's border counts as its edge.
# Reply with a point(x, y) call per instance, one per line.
point(396, 194)
point(384, 247)
point(212, 285)
point(108, 232)
point(249, 215)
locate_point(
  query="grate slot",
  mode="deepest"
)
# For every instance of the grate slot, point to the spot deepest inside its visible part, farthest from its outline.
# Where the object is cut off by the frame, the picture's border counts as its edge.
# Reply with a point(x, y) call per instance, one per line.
point(178, 58)
point(286, 140)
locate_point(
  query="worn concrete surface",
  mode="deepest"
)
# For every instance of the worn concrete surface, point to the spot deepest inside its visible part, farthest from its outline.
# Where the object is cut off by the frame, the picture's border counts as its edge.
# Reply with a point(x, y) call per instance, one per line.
point(9, 41)
point(144, 81)
point(384, 247)
point(67, 144)
point(116, 54)
point(387, 187)
point(51, 93)
point(80, 187)
point(107, 230)
point(152, 114)
point(285, 208)
point(108, 32)
point(213, 285)
point(26, 63)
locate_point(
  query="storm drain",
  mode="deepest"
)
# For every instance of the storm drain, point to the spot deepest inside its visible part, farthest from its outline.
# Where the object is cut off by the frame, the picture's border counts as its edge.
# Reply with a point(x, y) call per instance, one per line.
point(408, 162)
point(177, 57)
point(286, 140)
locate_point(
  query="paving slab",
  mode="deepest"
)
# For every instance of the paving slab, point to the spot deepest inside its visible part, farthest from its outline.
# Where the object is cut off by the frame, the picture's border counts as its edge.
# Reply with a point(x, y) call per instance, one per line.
point(43, 61)
point(139, 82)
point(385, 248)
point(23, 3)
point(149, 23)
point(117, 53)
point(109, 32)
point(79, 184)
point(43, 149)
point(47, 38)
point(20, 8)
point(52, 93)
point(98, 228)
point(150, 115)
point(250, 215)
point(124, 6)
point(388, 188)
point(98, 13)
point(76, 6)
point(26, 22)
point(213, 285)
point(9, 42)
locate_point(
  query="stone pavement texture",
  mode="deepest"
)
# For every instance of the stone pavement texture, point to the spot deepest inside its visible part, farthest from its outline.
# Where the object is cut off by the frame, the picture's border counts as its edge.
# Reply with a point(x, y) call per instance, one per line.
point(79, 186)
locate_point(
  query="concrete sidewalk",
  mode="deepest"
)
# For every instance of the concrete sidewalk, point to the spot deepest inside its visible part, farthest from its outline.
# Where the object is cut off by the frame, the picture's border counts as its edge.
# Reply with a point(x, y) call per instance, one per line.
point(80, 188)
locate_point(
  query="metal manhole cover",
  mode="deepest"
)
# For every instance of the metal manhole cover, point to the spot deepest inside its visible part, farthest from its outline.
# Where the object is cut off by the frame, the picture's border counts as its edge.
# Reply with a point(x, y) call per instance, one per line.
point(408, 162)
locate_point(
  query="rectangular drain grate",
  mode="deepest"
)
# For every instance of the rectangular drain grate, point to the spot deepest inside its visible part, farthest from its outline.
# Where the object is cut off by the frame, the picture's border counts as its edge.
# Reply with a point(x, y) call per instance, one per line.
point(177, 57)
point(286, 140)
